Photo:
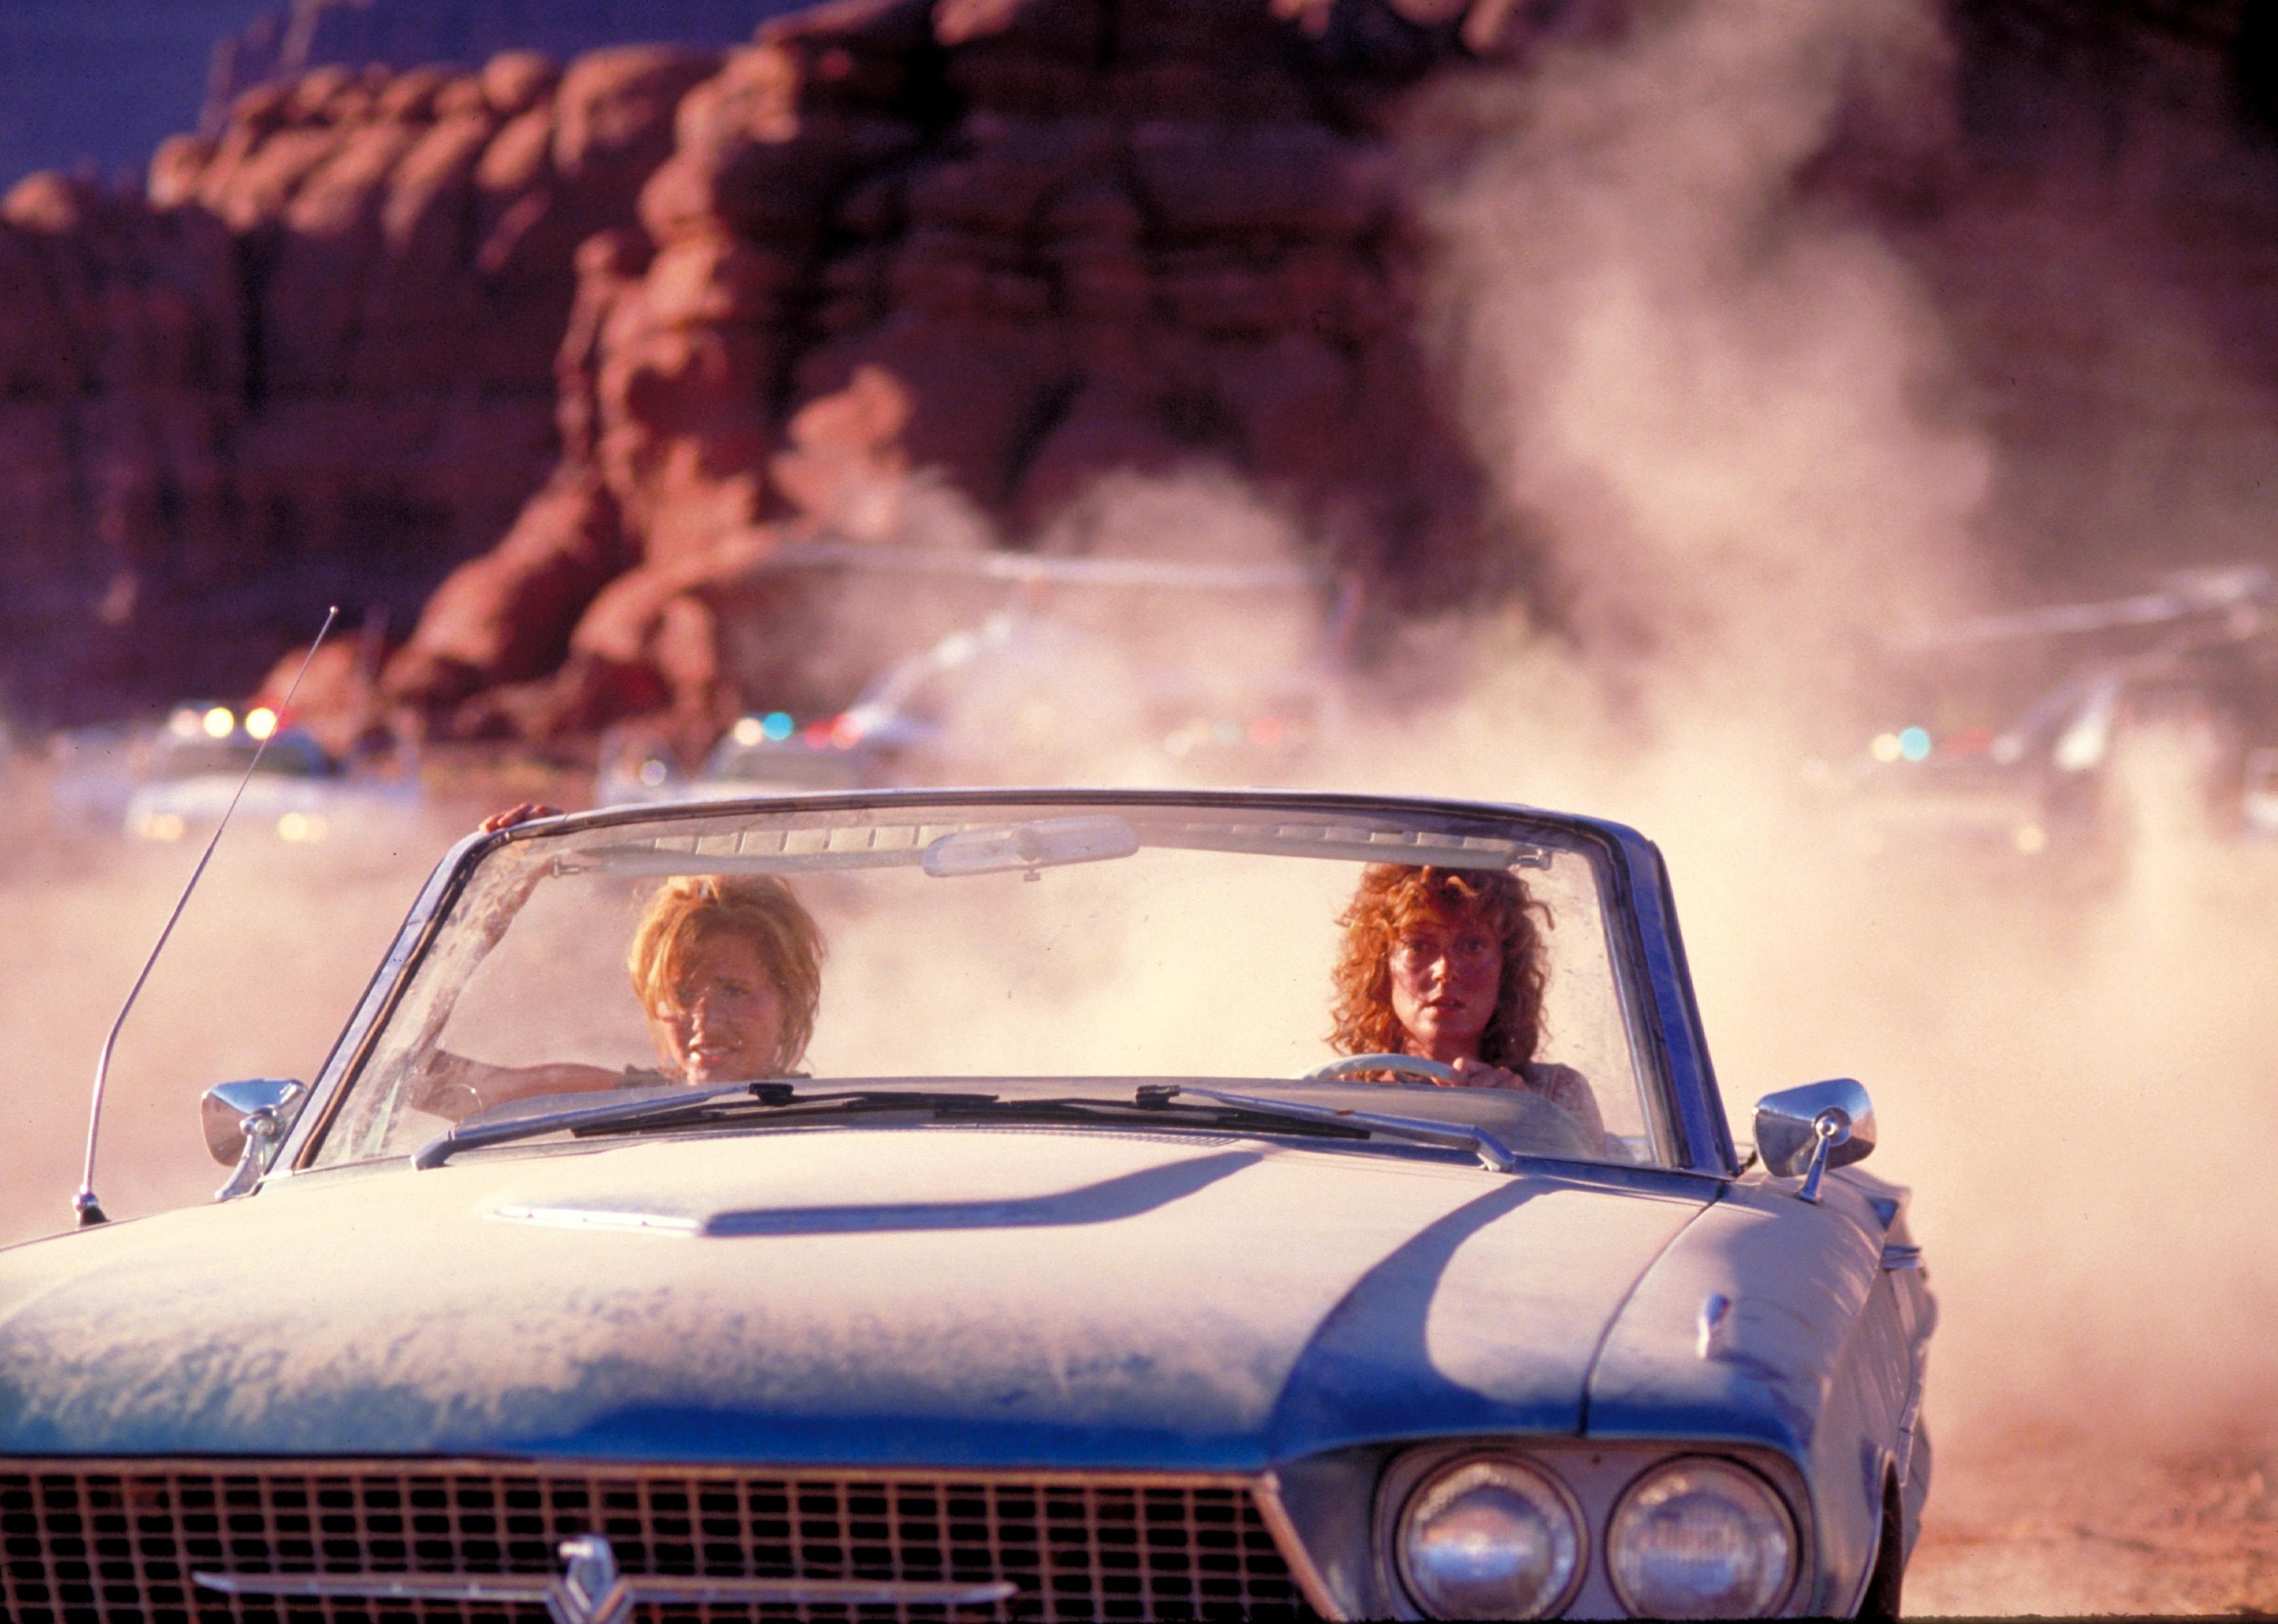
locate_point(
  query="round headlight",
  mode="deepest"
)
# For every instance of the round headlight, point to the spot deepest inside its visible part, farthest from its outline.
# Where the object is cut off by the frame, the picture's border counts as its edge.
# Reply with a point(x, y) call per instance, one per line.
point(1701, 1539)
point(1489, 1538)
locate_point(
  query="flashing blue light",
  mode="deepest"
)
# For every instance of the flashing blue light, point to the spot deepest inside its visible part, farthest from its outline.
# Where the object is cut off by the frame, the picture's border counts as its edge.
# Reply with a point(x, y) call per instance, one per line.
point(776, 725)
point(1914, 743)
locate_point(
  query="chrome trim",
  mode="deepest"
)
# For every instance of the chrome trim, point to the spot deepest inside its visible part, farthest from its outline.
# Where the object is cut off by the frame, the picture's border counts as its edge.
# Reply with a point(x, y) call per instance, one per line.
point(153, 1531)
point(223, 1109)
point(1829, 1125)
point(1909, 1429)
point(1899, 1255)
point(263, 1131)
point(1715, 1323)
point(1311, 1584)
point(1809, 1130)
point(592, 1590)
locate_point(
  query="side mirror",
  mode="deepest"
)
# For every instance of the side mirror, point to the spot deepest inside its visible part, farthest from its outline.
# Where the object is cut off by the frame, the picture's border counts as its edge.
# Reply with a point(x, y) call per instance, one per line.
point(1802, 1132)
point(245, 1122)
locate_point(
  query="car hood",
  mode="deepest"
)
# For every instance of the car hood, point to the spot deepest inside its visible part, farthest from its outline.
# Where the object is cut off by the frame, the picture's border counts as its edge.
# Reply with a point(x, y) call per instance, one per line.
point(942, 1295)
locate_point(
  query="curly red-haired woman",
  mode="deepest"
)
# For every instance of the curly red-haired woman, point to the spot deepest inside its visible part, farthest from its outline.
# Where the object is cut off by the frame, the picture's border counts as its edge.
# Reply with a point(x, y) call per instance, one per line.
point(1449, 965)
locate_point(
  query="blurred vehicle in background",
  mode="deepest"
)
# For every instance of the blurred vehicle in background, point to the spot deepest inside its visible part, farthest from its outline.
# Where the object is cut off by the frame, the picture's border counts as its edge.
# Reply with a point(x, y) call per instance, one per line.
point(1030, 692)
point(174, 782)
point(92, 773)
point(2048, 736)
point(762, 754)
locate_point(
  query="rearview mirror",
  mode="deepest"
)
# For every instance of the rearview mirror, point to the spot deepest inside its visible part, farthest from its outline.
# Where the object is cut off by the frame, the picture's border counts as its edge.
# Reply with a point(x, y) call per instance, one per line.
point(1802, 1132)
point(228, 1107)
point(1047, 842)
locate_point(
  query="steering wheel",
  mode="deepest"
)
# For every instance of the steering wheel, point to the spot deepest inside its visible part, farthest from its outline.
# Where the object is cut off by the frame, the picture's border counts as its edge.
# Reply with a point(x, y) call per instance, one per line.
point(1416, 1068)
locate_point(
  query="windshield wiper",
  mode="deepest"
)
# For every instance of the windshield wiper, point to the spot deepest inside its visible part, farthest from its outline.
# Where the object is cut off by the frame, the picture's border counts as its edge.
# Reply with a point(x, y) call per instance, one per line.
point(953, 1107)
point(780, 1100)
point(1491, 1152)
point(695, 1105)
point(1147, 1106)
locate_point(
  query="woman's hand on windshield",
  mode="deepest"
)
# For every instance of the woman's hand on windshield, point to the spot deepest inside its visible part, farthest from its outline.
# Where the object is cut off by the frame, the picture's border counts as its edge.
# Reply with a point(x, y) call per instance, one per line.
point(522, 813)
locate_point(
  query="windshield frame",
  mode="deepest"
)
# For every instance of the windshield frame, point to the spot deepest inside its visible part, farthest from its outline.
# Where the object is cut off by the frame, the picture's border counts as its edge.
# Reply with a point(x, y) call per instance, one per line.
point(1638, 908)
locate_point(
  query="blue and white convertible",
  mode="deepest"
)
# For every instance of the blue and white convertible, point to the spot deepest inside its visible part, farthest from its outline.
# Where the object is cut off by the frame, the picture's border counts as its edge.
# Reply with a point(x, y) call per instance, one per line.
point(1023, 1205)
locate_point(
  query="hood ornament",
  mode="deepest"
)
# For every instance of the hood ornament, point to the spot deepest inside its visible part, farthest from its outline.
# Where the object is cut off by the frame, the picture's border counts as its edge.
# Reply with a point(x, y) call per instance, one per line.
point(590, 1589)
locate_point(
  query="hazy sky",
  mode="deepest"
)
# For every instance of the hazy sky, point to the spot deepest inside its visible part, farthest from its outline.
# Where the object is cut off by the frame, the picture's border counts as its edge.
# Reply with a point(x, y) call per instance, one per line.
point(103, 81)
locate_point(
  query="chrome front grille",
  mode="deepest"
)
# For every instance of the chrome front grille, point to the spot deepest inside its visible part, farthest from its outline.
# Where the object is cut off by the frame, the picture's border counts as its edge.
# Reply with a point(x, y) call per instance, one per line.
point(109, 1541)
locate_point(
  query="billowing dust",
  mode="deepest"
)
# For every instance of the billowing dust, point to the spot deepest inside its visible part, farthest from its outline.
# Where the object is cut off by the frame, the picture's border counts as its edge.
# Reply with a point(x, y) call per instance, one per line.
point(1733, 412)
point(1730, 418)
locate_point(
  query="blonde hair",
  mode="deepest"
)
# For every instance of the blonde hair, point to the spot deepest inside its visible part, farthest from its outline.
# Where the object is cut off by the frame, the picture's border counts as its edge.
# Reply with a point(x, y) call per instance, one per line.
point(689, 910)
point(1391, 898)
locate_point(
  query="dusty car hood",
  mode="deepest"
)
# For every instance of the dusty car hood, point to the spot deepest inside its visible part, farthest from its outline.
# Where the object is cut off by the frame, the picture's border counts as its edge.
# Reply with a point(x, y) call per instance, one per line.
point(943, 1295)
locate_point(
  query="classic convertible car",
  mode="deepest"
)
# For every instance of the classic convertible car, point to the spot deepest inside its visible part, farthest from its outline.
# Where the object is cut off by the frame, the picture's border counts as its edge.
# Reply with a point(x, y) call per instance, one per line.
point(1094, 1257)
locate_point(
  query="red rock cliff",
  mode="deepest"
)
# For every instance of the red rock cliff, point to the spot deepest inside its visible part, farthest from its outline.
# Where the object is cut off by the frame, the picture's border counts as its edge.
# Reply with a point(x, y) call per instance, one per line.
point(1021, 244)
point(315, 360)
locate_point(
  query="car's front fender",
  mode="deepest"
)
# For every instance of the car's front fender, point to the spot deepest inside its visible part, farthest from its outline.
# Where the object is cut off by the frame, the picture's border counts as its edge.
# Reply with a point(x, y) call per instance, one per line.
point(1815, 1354)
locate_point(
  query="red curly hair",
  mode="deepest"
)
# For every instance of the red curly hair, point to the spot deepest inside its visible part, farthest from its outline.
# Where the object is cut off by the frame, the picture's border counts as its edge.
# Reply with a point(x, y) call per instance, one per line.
point(1393, 897)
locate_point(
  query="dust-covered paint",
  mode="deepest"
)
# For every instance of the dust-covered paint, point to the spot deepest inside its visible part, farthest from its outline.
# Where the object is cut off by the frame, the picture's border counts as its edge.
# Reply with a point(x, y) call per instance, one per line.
point(938, 1295)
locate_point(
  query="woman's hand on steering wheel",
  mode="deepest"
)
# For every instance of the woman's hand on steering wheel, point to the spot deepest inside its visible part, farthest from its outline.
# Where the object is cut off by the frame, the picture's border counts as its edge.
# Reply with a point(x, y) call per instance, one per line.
point(1472, 1073)
point(1416, 1068)
point(1465, 1072)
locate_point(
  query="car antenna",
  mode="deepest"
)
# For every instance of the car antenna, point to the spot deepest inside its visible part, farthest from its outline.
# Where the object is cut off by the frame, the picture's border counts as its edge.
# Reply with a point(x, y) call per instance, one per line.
point(88, 1209)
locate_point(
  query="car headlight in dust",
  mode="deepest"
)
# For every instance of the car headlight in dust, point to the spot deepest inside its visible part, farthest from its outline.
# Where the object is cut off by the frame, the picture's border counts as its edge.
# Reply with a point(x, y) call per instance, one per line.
point(1697, 1538)
point(1489, 1537)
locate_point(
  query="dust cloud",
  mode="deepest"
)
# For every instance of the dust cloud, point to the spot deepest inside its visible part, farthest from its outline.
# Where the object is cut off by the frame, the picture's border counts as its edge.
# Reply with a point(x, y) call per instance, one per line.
point(257, 982)
point(1737, 416)
point(1719, 400)
point(1731, 409)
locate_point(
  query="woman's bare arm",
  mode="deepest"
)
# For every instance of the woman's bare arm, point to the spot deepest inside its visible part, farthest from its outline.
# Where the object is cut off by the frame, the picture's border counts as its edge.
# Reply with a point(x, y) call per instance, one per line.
point(455, 1087)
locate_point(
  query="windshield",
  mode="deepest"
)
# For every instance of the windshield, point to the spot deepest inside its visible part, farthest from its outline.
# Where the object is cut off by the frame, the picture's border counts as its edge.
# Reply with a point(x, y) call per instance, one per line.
point(1084, 945)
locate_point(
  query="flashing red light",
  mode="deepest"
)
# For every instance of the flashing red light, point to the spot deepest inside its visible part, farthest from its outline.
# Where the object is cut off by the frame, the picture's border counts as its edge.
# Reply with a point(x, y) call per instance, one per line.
point(845, 732)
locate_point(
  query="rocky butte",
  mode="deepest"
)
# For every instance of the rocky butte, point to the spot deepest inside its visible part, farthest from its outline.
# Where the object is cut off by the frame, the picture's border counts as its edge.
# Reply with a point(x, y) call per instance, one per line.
point(640, 316)
point(1014, 245)
point(312, 361)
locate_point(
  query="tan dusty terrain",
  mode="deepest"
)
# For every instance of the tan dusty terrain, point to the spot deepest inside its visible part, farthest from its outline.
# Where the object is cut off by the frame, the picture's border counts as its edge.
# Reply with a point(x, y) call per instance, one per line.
point(2059, 1524)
